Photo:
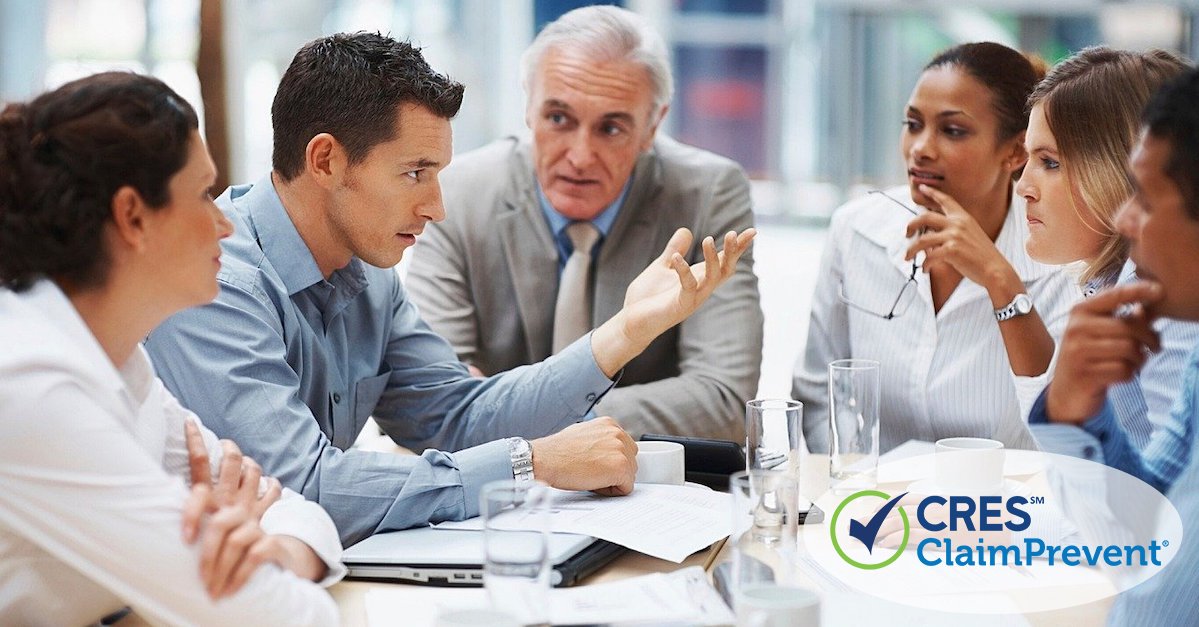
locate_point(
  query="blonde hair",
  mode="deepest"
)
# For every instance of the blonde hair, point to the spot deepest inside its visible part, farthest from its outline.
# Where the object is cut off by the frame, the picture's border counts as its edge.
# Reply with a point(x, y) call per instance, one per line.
point(1092, 104)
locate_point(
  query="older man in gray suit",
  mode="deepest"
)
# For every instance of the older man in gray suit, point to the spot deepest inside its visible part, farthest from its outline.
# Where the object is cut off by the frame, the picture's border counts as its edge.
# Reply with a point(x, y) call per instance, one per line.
point(541, 239)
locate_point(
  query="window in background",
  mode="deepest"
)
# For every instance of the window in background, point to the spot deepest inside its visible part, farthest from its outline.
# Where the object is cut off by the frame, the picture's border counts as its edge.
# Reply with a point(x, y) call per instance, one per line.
point(726, 62)
point(807, 95)
point(477, 42)
point(720, 103)
point(863, 60)
point(156, 36)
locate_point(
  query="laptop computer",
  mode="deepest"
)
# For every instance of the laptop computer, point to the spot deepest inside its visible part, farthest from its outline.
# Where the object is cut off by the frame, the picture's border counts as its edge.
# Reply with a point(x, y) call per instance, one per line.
point(454, 557)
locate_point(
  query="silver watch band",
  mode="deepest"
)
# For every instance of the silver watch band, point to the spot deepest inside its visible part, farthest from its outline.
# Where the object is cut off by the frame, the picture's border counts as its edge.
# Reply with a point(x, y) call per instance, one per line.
point(521, 454)
point(1021, 305)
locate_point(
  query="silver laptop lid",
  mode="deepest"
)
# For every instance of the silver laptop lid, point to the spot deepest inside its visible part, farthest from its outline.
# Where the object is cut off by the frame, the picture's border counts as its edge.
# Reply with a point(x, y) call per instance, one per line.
point(428, 546)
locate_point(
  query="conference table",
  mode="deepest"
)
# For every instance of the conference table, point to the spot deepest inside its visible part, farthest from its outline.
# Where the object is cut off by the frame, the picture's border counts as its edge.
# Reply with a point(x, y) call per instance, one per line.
point(838, 608)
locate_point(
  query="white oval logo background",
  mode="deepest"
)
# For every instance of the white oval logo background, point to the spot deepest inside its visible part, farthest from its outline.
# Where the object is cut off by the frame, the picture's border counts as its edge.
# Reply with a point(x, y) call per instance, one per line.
point(1069, 502)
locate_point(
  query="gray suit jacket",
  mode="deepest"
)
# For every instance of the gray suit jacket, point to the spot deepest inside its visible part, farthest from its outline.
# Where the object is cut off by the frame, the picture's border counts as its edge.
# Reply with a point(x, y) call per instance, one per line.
point(487, 278)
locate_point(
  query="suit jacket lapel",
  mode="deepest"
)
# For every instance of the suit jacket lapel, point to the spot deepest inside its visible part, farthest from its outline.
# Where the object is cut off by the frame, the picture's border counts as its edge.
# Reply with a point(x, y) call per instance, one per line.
point(531, 255)
point(632, 241)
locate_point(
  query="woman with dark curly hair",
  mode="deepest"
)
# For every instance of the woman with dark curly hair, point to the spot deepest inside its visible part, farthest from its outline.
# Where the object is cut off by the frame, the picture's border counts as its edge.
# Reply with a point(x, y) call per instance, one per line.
point(107, 228)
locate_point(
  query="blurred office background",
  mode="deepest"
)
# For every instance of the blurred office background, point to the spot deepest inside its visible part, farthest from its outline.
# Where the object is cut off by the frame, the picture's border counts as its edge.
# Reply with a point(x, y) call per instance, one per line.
point(806, 94)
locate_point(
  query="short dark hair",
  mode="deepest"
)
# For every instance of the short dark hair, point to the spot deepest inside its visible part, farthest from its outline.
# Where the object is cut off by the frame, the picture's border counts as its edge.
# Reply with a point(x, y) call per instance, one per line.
point(62, 158)
point(1173, 115)
point(349, 85)
point(1009, 75)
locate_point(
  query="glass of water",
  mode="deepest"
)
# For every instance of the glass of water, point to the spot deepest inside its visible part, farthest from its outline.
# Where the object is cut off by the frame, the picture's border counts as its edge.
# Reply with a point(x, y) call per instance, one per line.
point(516, 570)
point(853, 395)
point(765, 529)
point(772, 434)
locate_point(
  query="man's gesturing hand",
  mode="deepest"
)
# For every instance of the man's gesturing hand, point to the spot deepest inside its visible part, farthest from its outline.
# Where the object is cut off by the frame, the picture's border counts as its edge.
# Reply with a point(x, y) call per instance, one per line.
point(665, 294)
point(669, 290)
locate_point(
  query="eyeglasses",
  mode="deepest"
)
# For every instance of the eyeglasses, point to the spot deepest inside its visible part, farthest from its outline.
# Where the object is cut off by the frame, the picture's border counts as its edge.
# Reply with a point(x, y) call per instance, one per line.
point(906, 293)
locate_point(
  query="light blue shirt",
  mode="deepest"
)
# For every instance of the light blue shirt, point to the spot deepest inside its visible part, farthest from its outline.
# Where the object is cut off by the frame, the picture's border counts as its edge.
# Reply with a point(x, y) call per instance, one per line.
point(1136, 430)
point(1168, 598)
point(289, 366)
point(558, 223)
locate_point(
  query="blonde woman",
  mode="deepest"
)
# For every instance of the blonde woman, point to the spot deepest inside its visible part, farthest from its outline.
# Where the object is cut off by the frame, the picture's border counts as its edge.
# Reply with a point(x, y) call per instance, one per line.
point(1084, 120)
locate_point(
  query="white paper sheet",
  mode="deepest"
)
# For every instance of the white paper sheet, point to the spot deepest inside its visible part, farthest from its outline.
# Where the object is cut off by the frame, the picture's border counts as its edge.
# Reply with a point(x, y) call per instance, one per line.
point(663, 521)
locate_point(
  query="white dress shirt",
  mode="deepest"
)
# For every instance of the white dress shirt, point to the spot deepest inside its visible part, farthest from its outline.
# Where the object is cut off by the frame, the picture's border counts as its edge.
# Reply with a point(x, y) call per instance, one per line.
point(93, 478)
point(943, 374)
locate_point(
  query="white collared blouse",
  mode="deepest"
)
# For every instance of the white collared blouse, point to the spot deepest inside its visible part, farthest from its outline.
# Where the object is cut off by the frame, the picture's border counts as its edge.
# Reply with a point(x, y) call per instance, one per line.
point(93, 478)
point(943, 374)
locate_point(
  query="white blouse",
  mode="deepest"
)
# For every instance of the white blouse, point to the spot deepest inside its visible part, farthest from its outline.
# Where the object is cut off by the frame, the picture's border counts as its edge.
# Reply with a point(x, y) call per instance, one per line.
point(943, 374)
point(93, 478)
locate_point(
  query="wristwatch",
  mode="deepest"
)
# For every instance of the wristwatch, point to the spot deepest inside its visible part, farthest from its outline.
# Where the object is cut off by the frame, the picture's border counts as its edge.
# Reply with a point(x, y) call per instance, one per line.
point(1021, 305)
point(521, 453)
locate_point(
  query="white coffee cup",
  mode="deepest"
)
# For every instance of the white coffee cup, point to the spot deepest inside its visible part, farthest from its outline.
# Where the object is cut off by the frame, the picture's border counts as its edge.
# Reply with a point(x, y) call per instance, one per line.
point(476, 617)
point(660, 462)
point(973, 464)
point(772, 605)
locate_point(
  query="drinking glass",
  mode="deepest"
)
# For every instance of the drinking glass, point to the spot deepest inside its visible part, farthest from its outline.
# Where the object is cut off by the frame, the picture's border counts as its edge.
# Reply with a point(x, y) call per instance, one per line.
point(853, 391)
point(765, 529)
point(772, 434)
point(516, 570)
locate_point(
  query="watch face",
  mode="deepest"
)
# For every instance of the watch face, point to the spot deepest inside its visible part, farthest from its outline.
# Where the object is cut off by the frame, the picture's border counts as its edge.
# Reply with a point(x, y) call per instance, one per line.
point(1023, 304)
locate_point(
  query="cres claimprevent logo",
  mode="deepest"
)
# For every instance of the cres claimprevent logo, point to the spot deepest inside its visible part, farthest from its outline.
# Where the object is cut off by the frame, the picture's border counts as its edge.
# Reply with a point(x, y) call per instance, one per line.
point(866, 530)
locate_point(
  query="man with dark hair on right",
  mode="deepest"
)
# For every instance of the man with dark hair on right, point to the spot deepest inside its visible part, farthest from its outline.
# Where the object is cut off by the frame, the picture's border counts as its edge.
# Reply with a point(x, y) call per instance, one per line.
point(313, 333)
point(1161, 220)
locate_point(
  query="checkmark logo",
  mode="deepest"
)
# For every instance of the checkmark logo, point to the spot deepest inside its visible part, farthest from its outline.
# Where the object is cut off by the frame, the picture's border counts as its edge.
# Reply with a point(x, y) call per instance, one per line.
point(867, 532)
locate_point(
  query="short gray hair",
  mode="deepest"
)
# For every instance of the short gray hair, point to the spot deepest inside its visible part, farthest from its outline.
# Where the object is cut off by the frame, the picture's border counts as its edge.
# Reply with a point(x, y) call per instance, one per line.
point(605, 33)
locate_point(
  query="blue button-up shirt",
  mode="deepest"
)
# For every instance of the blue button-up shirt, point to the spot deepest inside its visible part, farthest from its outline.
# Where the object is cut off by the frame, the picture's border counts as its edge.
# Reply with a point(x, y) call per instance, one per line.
point(558, 223)
point(290, 365)
point(1136, 431)
point(1168, 598)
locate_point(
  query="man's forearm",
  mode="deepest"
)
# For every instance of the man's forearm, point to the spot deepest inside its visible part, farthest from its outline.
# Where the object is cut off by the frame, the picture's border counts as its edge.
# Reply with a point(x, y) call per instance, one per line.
point(612, 345)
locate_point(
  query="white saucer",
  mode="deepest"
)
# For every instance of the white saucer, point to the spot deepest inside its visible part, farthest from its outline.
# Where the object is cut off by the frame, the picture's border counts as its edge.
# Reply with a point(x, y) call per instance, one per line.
point(930, 487)
point(692, 484)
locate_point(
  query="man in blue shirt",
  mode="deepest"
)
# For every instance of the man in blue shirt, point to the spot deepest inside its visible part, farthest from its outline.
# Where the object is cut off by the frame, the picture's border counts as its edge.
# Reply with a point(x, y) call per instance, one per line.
point(313, 332)
point(1109, 334)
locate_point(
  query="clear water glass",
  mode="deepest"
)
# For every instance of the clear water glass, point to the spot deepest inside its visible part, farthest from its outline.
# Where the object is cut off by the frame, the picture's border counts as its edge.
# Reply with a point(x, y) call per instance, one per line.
point(772, 434)
point(853, 390)
point(516, 570)
point(765, 528)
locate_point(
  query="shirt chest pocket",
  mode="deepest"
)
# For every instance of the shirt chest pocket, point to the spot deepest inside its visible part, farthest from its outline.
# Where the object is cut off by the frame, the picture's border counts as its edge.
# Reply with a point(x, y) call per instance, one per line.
point(366, 396)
